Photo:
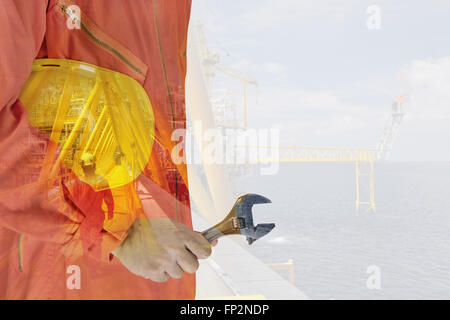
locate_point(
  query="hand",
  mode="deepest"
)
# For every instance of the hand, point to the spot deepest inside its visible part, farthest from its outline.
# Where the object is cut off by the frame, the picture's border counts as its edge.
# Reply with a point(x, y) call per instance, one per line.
point(160, 249)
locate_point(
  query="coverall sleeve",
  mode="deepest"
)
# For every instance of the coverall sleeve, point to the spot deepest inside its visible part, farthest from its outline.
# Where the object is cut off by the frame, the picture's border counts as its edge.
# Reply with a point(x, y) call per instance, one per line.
point(23, 206)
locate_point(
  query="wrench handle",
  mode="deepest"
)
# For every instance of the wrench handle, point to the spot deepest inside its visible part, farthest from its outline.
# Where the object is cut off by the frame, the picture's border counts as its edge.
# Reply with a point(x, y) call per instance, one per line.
point(212, 234)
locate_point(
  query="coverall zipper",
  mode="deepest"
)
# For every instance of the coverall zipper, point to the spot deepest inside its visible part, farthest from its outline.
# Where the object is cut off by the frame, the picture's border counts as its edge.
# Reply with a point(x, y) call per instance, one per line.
point(19, 252)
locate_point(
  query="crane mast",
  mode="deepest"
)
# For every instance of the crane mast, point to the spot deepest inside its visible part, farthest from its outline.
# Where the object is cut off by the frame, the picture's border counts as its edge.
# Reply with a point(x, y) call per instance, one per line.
point(210, 62)
point(391, 128)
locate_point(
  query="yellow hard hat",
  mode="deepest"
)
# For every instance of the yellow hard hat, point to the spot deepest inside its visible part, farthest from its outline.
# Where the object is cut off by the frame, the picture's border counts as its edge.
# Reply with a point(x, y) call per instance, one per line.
point(87, 159)
point(93, 109)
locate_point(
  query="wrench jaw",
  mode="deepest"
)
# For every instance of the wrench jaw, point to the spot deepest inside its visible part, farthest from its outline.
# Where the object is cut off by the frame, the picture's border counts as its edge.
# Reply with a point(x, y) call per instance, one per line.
point(240, 221)
point(259, 231)
point(243, 208)
point(252, 198)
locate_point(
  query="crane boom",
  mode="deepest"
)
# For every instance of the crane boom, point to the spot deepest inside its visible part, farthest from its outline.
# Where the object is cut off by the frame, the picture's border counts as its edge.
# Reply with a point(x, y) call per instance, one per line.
point(235, 74)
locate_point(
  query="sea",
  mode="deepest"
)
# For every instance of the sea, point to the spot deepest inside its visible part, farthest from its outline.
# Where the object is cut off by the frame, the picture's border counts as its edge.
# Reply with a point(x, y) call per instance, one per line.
point(400, 251)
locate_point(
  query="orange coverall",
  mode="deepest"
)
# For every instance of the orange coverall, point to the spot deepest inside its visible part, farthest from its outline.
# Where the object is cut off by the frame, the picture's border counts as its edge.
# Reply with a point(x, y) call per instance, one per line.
point(40, 239)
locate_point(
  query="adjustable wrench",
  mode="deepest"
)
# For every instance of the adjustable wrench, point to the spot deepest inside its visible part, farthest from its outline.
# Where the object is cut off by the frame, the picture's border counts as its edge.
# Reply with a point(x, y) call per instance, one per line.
point(240, 221)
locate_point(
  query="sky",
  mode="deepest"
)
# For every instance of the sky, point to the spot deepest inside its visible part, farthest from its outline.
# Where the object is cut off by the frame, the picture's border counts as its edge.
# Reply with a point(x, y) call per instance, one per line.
point(326, 79)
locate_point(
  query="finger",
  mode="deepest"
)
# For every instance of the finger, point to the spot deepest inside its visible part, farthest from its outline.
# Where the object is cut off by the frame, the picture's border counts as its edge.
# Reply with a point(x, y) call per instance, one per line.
point(187, 261)
point(158, 277)
point(199, 246)
point(214, 243)
point(175, 271)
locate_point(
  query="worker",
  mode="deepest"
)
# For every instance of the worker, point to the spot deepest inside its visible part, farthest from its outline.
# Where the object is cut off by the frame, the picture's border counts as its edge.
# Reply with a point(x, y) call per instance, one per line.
point(156, 257)
point(127, 204)
point(89, 194)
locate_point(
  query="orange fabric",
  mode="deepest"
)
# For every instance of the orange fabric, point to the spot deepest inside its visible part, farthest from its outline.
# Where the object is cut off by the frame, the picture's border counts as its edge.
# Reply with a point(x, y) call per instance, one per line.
point(40, 236)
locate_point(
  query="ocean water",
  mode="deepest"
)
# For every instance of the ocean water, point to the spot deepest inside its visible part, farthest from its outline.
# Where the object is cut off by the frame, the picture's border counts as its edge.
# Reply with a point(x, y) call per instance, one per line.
point(408, 238)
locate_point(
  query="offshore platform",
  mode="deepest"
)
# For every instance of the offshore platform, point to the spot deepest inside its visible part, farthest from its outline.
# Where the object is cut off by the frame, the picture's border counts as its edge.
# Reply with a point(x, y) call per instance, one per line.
point(363, 159)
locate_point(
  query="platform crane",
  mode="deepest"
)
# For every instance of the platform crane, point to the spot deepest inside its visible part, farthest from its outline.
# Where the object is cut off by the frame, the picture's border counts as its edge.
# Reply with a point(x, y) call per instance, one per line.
point(391, 128)
point(211, 64)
